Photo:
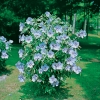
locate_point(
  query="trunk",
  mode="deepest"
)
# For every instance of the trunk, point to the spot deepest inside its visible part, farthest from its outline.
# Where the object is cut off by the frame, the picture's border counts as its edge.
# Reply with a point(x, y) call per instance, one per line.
point(70, 19)
point(74, 20)
point(85, 24)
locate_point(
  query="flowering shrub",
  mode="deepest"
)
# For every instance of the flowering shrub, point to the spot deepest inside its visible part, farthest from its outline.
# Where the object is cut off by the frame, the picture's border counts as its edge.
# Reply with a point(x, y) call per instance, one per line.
point(5, 47)
point(49, 53)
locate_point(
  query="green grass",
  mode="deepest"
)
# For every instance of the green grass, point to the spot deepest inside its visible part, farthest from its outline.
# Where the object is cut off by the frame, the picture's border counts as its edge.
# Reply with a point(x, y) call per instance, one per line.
point(85, 86)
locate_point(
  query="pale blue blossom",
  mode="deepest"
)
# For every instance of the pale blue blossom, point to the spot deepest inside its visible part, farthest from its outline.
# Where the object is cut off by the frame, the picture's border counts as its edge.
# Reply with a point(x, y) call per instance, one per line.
point(49, 20)
point(43, 29)
point(57, 66)
point(21, 38)
point(10, 41)
point(42, 45)
point(41, 24)
point(28, 39)
point(53, 81)
point(37, 56)
point(34, 77)
point(3, 39)
point(21, 78)
point(37, 34)
point(58, 29)
point(29, 20)
point(39, 80)
point(7, 45)
point(65, 50)
point(56, 83)
point(40, 71)
point(21, 26)
point(45, 67)
point(21, 52)
point(74, 44)
point(70, 60)
point(64, 37)
point(37, 48)
point(68, 68)
point(43, 51)
point(32, 30)
point(4, 55)
point(55, 46)
point(47, 14)
point(50, 54)
point(30, 64)
point(50, 33)
point(20, 66)
point(81, 33)
point(73, 53)
point(59, 39)
point(76, 69)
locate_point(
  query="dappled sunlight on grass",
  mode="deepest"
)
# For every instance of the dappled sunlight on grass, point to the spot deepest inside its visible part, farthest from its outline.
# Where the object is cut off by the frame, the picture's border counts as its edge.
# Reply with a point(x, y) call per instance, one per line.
point(92, 42)
point(89, 80)
point(9, 85)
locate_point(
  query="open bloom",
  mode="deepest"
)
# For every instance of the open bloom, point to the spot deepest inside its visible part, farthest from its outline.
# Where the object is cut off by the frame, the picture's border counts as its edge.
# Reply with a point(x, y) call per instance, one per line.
point(42, 45)
point(21, 26)
point(30, 64)
point(37, 33)
point(65, 50)
point(3, 39)
point(20, 66)
point(21, 78)
point(76, 69)
point(43, 51)
point(81, 33)
point(70, 60)
point(68, 68)
point(29, 20)
point(21, 52)
point(58, 29)
point(57, 66)
point(55, 46)
point(50, 33)
point(50, 54)
point(64, 37)
point(4, 55)
point(21, 38)
point(73, 53)
point(37, 56)
point(34, 77)
point(10, 41)
point(74, 44)
point(47, 14)
point(28, 39)
point(54, 82)
point(43, 68)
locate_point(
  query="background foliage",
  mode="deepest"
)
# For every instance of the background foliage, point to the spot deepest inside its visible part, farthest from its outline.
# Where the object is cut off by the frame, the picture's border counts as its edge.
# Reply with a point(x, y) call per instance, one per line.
point(12, 12)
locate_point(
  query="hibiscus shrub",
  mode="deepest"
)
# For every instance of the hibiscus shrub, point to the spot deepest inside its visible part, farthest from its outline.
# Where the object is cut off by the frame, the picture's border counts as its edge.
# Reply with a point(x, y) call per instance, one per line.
point(5, 47)
point(49, 53)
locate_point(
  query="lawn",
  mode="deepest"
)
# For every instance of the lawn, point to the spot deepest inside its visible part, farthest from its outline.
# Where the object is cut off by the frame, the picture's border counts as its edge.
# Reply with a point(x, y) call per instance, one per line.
point(85, 86)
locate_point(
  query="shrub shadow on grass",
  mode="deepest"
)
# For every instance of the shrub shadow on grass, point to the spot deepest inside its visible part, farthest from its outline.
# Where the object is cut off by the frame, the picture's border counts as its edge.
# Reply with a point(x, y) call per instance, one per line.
point(29, 88)
point(90, 55)
point(6, 71)
point(90, 80)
